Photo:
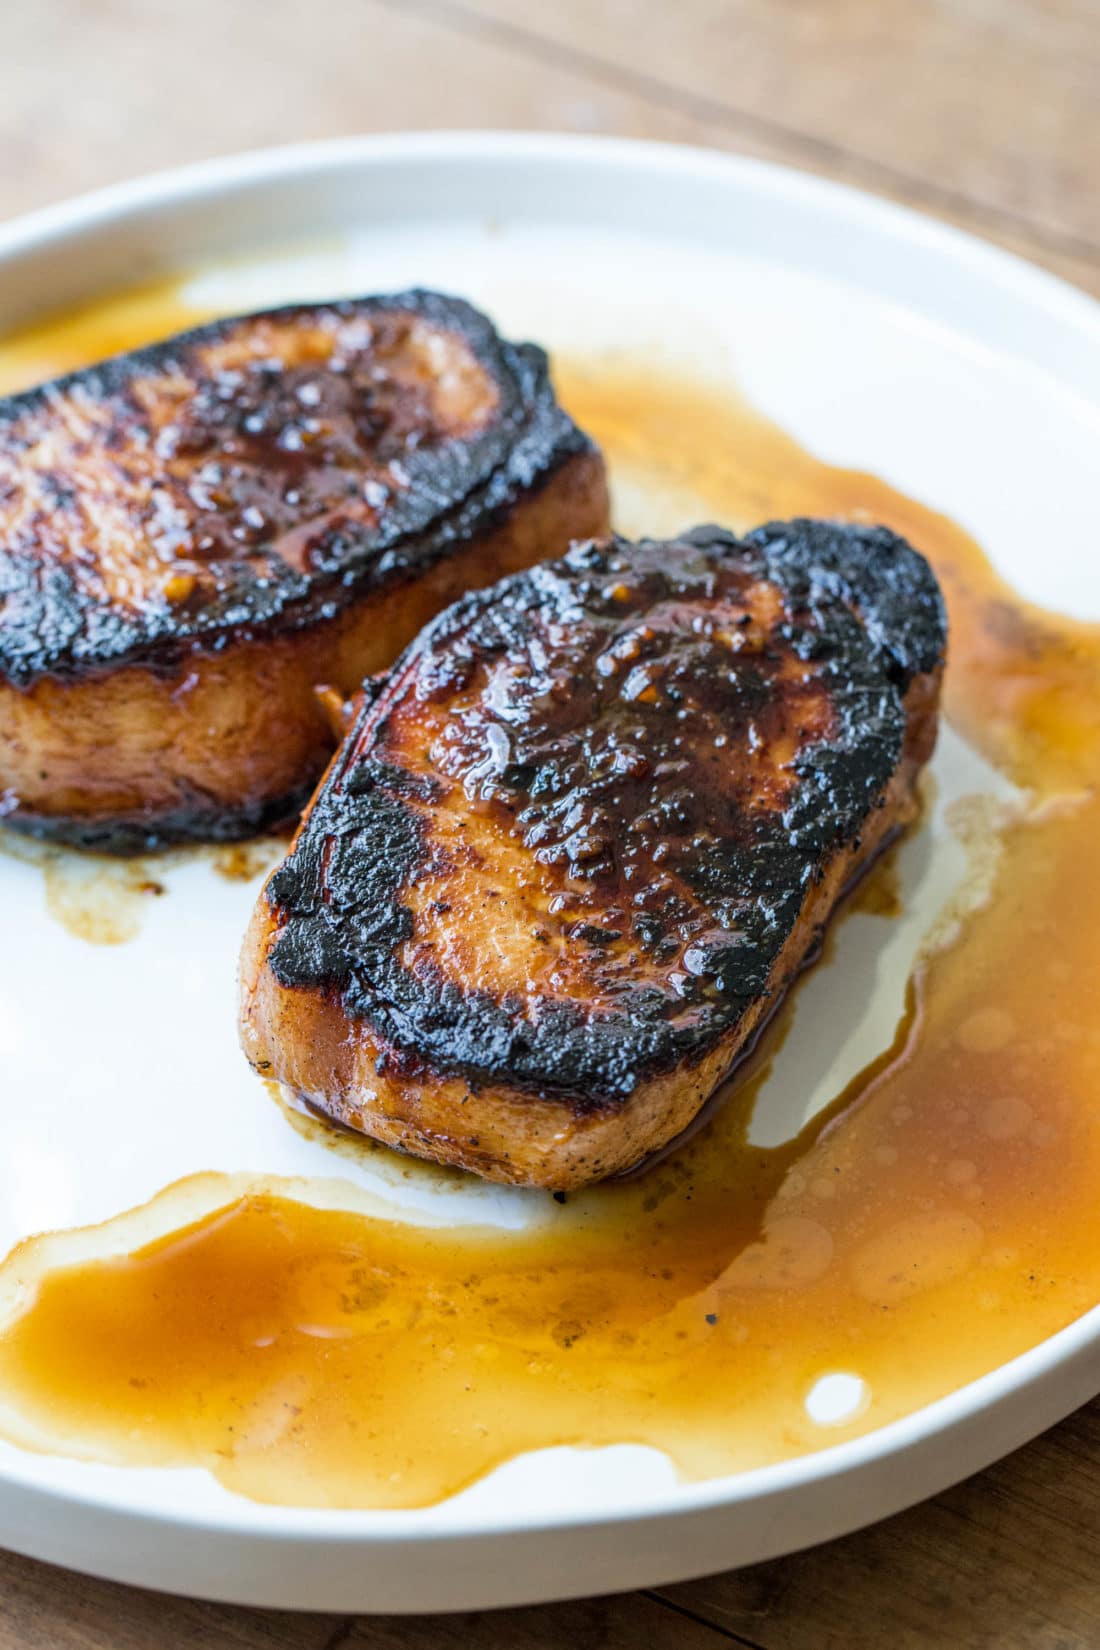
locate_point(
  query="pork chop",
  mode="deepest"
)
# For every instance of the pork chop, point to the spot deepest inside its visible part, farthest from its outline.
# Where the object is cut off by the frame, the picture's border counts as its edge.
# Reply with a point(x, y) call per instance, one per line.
point(196, 536)
point(582, 836)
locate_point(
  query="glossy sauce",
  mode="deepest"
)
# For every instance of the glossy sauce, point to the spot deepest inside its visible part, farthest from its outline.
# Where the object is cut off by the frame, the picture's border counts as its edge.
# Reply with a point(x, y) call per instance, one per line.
point(937, 1220)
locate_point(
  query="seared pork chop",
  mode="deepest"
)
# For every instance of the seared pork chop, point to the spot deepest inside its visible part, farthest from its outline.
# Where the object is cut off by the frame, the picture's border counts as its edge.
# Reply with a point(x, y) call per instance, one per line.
point(194, 537)
point(582, 836)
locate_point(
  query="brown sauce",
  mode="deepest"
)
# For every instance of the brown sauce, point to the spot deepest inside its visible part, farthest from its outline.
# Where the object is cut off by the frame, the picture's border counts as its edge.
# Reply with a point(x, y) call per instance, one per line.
point(95, 899)
point(104, 901)
point(940, 1218)
point(245, 861)
point(96, 330)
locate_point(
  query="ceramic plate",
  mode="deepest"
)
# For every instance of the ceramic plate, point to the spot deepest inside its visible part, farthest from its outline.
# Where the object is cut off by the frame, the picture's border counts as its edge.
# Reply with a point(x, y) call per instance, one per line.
point(876, 338)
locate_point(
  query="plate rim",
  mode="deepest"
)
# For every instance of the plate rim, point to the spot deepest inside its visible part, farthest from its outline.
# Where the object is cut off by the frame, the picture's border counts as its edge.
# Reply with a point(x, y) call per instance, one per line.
point(108, 207)
point(247, 168)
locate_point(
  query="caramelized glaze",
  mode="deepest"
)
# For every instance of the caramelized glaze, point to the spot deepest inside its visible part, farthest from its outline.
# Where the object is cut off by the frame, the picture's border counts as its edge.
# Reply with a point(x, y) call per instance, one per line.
point(194, 535)
point(939, 1219)
point(229, 469)
point(570, 854)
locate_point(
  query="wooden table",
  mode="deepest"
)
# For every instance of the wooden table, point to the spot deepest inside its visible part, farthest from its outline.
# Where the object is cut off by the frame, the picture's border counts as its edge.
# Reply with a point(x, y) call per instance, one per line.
point(983, 112)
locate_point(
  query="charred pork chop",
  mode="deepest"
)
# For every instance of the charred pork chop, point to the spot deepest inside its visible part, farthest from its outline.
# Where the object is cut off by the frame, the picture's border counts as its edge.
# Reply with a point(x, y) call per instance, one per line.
point(194, 537)
point(582, 835)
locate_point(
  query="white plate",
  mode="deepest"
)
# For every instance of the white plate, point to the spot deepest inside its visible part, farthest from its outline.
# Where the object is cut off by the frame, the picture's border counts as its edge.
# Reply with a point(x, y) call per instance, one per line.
point(874, 336)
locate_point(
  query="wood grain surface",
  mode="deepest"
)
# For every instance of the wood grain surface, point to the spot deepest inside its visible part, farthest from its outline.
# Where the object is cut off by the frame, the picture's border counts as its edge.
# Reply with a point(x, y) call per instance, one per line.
point(983, 112)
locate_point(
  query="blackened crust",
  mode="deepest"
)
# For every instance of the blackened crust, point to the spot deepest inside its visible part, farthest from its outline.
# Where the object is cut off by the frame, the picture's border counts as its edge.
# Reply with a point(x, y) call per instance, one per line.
point(697, 843)
point(53, 623)
point(129, 835)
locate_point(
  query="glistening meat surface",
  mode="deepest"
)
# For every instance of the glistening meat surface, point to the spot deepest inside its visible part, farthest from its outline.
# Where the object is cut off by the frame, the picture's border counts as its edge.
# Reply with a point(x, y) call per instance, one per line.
point(582, 835)
point(196, 536)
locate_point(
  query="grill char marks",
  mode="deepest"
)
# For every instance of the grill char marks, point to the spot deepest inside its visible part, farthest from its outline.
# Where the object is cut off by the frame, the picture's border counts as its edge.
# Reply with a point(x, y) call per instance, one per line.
point(582, 835)
point(279, 499)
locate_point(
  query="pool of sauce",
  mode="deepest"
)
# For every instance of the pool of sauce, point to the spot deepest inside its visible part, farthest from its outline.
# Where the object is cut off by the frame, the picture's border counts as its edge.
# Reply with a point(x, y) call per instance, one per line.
point(939, 1218)
point(95, 899)
point(104, 901)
